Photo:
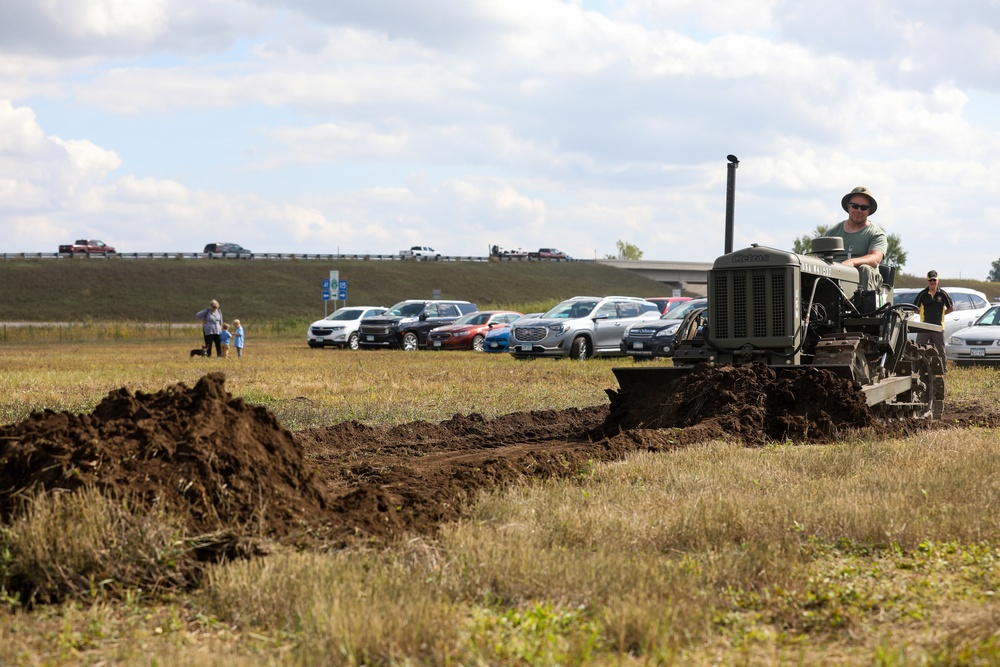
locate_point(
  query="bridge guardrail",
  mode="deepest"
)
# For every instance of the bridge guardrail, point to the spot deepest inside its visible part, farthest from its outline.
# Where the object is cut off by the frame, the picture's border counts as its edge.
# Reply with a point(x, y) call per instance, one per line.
point(265, 256)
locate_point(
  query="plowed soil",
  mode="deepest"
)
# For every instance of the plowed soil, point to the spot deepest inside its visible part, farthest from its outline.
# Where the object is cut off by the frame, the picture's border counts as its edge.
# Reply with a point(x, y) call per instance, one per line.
point(227, 465)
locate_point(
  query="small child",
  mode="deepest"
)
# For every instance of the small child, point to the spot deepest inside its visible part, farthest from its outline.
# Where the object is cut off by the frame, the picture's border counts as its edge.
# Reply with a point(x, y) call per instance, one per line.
point(238, 339)
point(225, 337)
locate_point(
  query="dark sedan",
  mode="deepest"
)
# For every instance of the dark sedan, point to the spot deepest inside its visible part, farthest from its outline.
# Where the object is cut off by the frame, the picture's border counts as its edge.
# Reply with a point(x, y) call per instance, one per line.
point(655, 339)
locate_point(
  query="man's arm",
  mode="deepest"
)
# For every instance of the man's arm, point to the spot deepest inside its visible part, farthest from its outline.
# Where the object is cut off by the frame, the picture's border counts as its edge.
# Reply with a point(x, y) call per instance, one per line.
point(949, 305)
point(872, 259)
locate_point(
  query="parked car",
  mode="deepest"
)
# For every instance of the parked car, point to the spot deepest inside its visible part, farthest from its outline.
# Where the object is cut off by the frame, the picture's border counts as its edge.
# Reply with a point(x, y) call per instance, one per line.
point(420, 252)
point(651, 340)
point(227, 250)
point(341, 327)
point(498, 338)
point(580, 328)
point(469, 331)
point(978, 344)
point(665, 302)
point(406, 324)
point(969, 305)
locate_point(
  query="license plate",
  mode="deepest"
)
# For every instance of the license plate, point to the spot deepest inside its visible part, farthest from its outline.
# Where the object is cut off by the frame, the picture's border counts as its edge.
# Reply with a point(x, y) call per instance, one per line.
point(636, 346)
point(370, 338)
point(977, 352)
point(526, 347)
point(494, 345)
point(437, 343)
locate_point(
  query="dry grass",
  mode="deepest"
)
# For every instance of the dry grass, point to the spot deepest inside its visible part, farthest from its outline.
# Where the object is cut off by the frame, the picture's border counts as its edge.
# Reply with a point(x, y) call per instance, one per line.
point(864, 552)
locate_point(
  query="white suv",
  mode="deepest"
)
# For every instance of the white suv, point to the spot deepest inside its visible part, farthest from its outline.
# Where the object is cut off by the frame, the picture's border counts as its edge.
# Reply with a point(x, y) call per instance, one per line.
point(580, 328)
point(969, 305)
point(341, 328)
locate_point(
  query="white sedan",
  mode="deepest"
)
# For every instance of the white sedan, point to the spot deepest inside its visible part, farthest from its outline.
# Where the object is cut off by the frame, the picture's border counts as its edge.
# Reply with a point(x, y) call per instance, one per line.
point(978, 344)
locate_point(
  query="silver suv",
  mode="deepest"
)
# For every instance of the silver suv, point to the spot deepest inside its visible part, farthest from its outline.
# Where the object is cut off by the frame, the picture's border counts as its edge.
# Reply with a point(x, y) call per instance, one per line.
point(580, 328)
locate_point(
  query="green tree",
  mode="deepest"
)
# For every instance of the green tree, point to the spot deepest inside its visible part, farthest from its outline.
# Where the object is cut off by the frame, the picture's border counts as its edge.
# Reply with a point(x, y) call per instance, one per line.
point(994, 276)
point(894, 254)
point(626, 251)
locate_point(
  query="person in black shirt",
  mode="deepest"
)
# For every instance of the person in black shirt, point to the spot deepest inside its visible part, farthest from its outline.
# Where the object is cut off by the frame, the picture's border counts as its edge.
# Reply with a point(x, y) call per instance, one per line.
point(934, 304)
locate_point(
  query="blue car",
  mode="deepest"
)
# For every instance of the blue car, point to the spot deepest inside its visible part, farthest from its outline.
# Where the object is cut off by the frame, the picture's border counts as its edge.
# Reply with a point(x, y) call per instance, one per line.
point(498, 338)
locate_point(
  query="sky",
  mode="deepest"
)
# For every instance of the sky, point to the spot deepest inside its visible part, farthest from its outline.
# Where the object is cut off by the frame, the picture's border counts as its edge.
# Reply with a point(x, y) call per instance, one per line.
point(311, 126)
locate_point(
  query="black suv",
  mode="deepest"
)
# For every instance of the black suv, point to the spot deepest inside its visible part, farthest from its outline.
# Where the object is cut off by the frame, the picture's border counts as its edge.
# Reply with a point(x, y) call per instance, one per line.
point(651, 340)
point(406, 324)
point(214, 250)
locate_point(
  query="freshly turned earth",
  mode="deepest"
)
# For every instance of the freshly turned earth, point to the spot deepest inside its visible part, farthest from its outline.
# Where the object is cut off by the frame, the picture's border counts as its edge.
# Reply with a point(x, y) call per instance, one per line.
point(229, 466)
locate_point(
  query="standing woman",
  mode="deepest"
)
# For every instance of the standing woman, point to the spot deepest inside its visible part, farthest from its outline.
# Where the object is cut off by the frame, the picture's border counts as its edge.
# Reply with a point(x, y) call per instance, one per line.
point(211, 318)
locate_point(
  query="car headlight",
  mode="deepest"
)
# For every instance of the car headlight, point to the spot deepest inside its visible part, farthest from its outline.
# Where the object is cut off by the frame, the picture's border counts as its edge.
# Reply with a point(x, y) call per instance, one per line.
point(668, 332)
point(459, 334)
point(340, 328)
point(557, 328)
point(955, 340)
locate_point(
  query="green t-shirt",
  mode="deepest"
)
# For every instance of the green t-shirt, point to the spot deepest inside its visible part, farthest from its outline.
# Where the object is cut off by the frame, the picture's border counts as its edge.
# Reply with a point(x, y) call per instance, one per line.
point(859, 243)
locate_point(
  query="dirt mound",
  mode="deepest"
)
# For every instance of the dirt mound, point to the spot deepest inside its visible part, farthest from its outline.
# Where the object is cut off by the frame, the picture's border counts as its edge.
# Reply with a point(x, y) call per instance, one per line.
point(216, 460)
point(223, 464)
point(750, 403)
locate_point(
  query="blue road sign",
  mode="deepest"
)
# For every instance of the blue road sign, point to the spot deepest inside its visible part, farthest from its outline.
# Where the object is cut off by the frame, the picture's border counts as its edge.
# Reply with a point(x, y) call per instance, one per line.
point(326, 283)
point(326, 295)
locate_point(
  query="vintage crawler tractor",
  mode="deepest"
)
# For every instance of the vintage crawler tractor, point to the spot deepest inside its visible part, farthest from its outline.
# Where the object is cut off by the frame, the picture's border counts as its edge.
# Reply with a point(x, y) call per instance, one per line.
point(794, 311)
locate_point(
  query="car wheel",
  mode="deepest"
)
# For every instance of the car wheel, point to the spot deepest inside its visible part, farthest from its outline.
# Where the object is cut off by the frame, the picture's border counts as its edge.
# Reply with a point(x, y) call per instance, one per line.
point(352, 341)
point(580, 349)
point(410, 341)
point(477, 343)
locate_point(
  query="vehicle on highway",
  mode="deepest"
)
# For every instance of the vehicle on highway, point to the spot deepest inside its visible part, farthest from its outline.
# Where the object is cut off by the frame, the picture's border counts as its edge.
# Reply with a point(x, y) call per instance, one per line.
point(420, 252)
point(978, 344)
point(580, 328)
point(548, 253)
point(505, 253)
point(406, 324)
point(227, 250)
point(86, 247)
point(498, 338)
point(341, 327)
point(469, 331)
point(651, 340)
point(969, 305)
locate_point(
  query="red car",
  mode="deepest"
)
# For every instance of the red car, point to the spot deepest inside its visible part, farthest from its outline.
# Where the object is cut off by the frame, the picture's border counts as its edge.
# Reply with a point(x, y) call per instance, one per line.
point(665, 303)
point(468, 331)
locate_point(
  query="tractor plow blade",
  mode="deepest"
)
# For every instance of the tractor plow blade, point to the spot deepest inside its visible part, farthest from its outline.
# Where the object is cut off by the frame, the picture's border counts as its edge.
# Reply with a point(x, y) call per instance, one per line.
point(658, 378)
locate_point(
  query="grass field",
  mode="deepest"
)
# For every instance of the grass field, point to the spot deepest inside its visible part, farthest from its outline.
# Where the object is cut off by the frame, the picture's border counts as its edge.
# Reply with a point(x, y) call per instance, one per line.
point(287, 294)
point(866, 552)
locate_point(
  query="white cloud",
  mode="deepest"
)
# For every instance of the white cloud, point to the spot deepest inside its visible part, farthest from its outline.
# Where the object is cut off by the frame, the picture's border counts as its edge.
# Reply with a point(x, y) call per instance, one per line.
point(462, 123)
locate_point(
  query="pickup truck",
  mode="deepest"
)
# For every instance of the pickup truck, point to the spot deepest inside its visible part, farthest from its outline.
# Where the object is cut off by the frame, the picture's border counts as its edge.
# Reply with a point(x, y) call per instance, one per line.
point(548, 253)
point(87, 246)
point(419, 252)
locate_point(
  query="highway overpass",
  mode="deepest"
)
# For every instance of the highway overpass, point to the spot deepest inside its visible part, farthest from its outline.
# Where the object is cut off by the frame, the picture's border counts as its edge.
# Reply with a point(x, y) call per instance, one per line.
point(691, 277)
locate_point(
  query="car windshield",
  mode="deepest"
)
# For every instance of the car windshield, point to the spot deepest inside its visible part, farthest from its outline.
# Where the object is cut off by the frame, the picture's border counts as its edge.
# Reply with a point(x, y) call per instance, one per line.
point(680, 311)
point(474, 318)
point(347, 314)
point(906, 297)
point(406, 309)
point(990, 318)
point(571, 310)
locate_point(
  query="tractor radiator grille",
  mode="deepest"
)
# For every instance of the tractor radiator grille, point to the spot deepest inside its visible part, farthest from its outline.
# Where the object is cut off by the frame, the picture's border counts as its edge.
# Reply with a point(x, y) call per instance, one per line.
point(750, 303)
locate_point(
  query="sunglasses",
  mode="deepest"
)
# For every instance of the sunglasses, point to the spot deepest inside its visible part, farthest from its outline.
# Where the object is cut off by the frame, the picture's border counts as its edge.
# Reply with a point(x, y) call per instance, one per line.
point(863, 207)
point(932, 280)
